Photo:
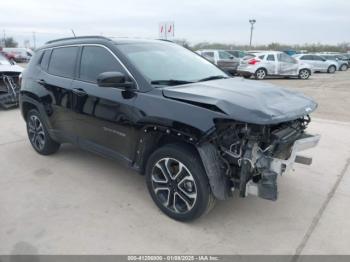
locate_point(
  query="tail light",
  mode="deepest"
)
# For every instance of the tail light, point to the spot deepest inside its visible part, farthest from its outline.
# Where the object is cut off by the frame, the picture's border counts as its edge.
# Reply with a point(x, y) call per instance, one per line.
point(253, 61)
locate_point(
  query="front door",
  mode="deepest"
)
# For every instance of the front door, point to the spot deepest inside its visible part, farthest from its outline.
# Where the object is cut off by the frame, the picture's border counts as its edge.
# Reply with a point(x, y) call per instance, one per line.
point(104, 115)
point(287, 65)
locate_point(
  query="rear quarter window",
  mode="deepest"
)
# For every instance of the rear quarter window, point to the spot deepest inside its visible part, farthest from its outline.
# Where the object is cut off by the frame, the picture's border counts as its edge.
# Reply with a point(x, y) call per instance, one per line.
point(45, 60)
point(62, 62)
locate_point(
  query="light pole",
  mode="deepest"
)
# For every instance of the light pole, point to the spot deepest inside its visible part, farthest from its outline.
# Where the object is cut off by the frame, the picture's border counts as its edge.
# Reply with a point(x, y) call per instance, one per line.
point(252, 22)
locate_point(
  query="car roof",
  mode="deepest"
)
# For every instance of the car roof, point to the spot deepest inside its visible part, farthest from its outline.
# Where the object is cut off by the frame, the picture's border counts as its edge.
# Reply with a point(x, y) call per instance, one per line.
point(97, 40)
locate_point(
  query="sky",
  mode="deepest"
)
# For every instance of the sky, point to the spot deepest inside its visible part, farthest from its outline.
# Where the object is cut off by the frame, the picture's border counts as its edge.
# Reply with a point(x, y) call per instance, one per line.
point(226, 21)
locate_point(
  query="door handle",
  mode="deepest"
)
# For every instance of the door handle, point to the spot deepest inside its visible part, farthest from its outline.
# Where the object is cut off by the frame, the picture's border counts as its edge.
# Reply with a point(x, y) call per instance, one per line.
point(41, 82)
point(79, 91)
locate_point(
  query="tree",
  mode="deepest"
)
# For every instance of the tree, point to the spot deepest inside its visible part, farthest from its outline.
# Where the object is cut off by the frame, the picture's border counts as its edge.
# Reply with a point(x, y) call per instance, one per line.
point(10, 42)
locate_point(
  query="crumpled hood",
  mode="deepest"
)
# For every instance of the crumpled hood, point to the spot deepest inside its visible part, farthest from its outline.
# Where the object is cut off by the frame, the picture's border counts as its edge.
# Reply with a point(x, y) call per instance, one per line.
point(245, 100)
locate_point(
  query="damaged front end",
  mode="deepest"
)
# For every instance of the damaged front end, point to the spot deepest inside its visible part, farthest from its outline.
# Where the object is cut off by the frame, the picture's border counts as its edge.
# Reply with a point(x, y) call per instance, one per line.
point(249, 157)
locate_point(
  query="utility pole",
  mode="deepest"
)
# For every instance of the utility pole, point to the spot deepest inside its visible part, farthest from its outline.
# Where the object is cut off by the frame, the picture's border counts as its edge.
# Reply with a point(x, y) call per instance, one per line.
point(4, 39)
point(252, 22)
point(34, 40)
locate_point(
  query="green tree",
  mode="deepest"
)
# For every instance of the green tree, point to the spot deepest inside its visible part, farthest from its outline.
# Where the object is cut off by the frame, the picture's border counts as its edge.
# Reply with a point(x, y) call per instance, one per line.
point(10, 42)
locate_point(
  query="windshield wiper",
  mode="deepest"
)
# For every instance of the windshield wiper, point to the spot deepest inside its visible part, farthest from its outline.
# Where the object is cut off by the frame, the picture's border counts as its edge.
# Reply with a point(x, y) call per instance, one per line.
point(170, 82)
point(212, 78)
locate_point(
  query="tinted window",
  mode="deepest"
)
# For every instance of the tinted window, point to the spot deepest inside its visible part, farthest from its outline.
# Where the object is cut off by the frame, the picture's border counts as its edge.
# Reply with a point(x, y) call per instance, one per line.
point(261, 56)
point(96, 60)
point(224, 55)
point(45, 60)
point(317, 58)
point(307, 57)
point(62, 62)
point(270, 58)
point(286, 58)
point(208, 54)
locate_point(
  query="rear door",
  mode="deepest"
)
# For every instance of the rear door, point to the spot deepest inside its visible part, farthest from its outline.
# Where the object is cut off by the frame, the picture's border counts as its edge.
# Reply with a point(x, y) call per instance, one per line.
point(287, 65)
point(104, 116)
point(319, 63)
point(271, 65)
point(56, 77)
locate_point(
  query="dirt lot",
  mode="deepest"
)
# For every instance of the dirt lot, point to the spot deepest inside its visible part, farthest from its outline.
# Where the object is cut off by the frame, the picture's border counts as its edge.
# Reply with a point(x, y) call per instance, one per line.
point(74, 202)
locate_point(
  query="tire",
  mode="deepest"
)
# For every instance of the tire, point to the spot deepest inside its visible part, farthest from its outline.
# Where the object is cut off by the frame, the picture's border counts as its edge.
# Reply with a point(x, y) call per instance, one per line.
point(184, 179)
point(343, 67)
point(260, 74)
point(331, 69)
point(38, 135)
point(304, 74)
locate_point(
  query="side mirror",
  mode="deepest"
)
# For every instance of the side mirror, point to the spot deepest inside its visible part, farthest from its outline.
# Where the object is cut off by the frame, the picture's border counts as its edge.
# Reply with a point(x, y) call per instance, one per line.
point(232, 57)
point(114, 79)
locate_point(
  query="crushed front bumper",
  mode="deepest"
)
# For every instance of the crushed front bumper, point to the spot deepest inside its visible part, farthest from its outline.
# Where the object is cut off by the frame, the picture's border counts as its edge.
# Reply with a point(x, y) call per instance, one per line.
point(272, 167)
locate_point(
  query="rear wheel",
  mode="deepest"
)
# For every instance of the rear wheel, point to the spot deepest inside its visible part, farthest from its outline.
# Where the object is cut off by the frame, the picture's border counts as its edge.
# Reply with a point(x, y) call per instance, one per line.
point(331, 69)
point(177, 182)
point(304, 74)
point(260, 74)
point(38, 135)
point(343, 67)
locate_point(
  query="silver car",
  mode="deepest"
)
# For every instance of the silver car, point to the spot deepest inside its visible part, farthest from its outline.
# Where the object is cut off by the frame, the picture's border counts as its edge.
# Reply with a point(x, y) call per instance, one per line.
point(318, 63)
point(273, 63)
point(222, 59)
point(342, 63)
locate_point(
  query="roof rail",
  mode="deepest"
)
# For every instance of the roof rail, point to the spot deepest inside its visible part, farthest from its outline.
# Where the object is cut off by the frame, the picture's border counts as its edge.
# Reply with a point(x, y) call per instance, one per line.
point(77, 37)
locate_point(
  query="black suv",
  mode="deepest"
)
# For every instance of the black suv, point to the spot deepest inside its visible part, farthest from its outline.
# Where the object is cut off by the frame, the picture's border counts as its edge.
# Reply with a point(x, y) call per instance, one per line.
point(170, 114)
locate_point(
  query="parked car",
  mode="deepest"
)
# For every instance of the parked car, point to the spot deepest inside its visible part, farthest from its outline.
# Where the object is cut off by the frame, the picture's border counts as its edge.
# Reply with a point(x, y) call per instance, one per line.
point(272, 63)
point(19, 54)
point(222, 59)
point(9, 56)
point(9, 82)
point(342, 63)
point(170, 114)
point(318, 63)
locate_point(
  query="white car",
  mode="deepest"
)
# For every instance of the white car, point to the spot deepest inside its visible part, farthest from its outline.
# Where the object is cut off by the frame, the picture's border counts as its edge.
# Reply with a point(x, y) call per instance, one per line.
point(9, 82)
point(318, 63)
point(273, 63)
point(20, 54)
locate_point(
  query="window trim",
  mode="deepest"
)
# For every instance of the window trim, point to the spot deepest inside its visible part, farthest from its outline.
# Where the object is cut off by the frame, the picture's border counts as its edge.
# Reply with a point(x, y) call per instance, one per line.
point(79, 55)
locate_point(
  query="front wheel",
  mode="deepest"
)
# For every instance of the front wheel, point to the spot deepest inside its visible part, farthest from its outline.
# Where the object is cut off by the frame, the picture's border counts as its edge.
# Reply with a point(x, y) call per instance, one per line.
point(344, 67)
point(177, 182)
point(38, 134)
point(260, 74)
point(304, 74)
point(331, 69)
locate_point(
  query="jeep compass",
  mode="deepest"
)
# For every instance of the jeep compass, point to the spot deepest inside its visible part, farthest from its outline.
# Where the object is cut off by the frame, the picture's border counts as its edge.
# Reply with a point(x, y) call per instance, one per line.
point(195, 133)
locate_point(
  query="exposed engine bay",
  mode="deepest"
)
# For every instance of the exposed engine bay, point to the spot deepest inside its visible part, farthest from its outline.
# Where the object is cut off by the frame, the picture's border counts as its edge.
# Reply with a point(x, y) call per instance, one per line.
point(252, 156)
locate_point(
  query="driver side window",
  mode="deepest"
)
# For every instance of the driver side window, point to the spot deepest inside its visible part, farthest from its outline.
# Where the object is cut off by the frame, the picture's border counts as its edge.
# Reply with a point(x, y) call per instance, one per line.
point(96, 60)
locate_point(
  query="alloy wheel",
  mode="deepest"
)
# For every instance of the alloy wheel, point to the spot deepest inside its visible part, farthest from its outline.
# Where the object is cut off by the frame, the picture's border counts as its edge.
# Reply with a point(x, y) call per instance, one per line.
point(36, 132)
point(174, 185)
point(261, 74)
point(304, 74)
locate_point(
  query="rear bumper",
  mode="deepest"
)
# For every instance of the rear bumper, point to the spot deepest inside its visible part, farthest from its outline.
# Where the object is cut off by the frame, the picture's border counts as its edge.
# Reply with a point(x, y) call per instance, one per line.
point(244, 73)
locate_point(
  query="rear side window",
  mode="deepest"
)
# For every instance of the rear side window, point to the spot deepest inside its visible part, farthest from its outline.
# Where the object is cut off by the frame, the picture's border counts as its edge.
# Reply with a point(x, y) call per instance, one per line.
point(208, 54)
point(62, 62)
point(45, 60)
point(307, 57)
point(261, 57)
point(96, 60)
point(270, 58)
point(224, 55)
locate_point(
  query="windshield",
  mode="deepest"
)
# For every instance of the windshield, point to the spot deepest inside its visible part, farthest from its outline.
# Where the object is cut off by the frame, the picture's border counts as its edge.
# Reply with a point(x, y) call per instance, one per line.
point(167, 61)
point(4, 61)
